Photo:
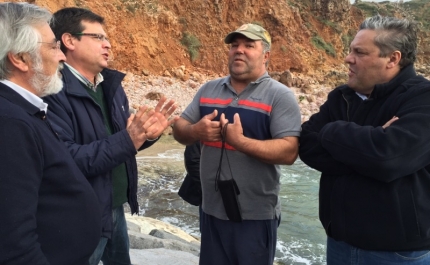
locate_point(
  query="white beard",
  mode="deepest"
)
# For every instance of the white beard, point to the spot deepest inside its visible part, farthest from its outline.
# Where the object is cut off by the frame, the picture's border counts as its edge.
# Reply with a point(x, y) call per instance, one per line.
point(43, 84)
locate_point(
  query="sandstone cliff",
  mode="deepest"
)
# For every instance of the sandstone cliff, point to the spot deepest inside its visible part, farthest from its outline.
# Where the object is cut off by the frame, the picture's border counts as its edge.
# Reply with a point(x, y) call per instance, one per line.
point(309, 36)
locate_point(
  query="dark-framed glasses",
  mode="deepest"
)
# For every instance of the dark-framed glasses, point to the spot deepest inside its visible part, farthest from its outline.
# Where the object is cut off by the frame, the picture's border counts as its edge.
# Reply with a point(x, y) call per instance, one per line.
point(97, 36)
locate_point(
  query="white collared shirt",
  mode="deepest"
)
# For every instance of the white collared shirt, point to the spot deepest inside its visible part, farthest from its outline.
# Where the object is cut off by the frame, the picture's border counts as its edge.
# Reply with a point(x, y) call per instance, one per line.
point(83, 79)
point(30, 97)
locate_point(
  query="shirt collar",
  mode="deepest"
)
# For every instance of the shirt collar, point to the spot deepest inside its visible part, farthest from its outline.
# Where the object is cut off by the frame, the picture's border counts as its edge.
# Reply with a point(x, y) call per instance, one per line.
point(83, 79)
point(362, 96)
point(27, 95)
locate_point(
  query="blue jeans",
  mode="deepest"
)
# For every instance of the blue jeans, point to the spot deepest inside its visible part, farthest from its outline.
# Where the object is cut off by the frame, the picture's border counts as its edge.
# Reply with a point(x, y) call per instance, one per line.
point(341, 253)
point(114, 251)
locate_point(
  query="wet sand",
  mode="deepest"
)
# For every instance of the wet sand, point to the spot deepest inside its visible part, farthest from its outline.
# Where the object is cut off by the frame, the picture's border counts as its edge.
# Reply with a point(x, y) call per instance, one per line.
point(166, 142)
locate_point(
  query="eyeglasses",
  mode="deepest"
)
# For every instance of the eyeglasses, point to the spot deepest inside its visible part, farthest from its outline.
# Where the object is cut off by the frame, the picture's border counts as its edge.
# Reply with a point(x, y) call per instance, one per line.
point(55, 45)
point(97, 36)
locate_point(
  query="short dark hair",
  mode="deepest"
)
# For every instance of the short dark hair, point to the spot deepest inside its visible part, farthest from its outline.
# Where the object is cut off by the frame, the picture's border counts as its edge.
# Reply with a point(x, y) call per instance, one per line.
point(68, 20)
point(394, 34)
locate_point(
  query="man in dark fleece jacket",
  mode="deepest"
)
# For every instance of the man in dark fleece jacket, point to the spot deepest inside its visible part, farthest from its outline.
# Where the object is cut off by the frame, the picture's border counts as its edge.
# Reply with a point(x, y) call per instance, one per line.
point(49, 212)
point(91, 115)
point(371, 142)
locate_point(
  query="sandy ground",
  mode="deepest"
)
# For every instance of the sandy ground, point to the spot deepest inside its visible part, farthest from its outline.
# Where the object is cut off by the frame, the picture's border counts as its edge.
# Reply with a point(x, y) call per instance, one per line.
point(166, 142)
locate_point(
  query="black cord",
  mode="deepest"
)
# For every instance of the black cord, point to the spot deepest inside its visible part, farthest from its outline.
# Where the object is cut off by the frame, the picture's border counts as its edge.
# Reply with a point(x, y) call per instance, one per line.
point(218, 173)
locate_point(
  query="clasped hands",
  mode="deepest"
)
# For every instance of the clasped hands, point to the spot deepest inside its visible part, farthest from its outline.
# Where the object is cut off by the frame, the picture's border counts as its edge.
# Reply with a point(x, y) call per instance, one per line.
point(149, 124)
point(210, 130)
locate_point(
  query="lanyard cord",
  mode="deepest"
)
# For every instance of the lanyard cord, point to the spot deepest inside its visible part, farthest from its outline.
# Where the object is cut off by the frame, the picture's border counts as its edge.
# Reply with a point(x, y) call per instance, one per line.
point(218, 172)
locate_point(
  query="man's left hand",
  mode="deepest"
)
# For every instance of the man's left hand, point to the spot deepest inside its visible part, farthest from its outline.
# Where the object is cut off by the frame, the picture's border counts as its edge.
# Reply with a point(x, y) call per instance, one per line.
point(162, 113)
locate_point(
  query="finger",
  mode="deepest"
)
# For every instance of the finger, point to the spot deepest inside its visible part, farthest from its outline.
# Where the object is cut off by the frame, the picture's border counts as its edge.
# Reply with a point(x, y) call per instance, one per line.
point(172, 121)
point(167, 107)
point(212, 115)
point(160, 104)
point(223, 120)
point(236, 119)
point(141, 111)
point(130, 119)
point(170, 111)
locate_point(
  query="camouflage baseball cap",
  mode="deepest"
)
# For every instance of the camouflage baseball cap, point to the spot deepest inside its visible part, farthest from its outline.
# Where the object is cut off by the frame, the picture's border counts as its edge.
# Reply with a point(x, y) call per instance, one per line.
point(251, 31)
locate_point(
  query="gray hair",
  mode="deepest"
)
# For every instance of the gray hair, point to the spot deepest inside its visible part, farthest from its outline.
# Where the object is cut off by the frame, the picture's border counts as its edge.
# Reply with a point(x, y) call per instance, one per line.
point(19, 35)
point(266, 48)
point(394, 34)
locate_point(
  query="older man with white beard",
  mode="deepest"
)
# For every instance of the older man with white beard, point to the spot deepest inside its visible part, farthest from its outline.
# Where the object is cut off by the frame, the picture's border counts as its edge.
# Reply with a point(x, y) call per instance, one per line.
point(49, 212)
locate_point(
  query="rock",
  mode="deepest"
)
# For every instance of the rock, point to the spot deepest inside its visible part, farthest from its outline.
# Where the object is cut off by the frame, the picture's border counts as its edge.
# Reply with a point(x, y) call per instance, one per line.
point(143, 241)
point(155, 242)
point(146, 225)
point(286, 78)
point(161, 256)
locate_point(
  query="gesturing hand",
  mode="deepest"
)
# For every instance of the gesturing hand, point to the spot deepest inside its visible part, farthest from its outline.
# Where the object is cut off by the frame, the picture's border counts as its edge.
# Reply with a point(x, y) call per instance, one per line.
point(138, 124)
point(162, 114)
point(207, 129)
point(234, 130)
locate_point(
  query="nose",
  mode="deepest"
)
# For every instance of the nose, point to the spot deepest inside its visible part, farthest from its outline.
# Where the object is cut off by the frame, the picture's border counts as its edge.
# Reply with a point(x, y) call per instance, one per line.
point(106, 44)
point(349, 59)
point(60, 56)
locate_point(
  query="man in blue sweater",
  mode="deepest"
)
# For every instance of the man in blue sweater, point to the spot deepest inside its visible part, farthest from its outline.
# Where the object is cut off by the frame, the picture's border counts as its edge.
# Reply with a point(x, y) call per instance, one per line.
point(91, 115)
point(49, 212)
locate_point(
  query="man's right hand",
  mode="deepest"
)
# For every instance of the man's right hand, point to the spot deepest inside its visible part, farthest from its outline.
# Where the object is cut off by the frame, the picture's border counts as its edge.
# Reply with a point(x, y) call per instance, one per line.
point(138, 124)
point(208, 130)
point(204, 130)
point(388, 123)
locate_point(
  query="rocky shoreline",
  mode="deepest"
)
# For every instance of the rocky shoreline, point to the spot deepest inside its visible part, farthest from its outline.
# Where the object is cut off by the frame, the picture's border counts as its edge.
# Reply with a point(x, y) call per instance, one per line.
point(182, 84)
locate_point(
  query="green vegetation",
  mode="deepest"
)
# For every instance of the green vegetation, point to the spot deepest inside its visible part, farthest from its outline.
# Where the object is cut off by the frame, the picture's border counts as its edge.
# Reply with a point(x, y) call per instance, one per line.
point(420, 10)
point(319, 43)
point(132, 8)
point(192, 43)
point(346, 41)
point(336, 27)
point(151, 6)
point(369, 9)
point(183, 21)
point(283, 49)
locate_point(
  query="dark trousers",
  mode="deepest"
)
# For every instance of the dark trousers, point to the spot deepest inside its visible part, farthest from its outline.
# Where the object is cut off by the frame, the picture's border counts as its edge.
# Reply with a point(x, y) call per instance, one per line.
point(225, 242)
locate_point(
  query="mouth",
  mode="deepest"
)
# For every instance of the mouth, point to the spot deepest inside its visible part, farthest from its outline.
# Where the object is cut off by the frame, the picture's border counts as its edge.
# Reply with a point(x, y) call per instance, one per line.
point(105, 55)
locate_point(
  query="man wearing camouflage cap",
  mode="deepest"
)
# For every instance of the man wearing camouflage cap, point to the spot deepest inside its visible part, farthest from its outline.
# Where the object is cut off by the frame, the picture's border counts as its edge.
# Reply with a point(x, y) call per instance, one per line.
point(248, 124)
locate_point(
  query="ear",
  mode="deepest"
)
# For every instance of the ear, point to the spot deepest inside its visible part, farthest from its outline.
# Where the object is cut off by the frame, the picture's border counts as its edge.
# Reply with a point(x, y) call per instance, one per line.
point(266, 56)
point(394, 59)
point(68, 41)
point(21, 61)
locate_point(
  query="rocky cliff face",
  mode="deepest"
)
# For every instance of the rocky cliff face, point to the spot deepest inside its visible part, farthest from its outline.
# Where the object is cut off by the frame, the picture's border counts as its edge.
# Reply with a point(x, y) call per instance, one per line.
point(309, 36)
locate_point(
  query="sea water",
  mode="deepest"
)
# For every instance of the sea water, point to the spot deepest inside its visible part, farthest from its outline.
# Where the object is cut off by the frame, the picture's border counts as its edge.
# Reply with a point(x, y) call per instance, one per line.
point(301, 239)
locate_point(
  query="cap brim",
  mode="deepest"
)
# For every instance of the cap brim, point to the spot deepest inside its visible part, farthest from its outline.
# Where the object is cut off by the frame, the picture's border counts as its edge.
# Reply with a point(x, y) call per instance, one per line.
point(229, 38)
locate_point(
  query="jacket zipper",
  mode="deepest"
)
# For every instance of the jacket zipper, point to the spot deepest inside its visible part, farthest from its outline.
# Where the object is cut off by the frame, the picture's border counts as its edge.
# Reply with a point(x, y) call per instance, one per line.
point(347, 107)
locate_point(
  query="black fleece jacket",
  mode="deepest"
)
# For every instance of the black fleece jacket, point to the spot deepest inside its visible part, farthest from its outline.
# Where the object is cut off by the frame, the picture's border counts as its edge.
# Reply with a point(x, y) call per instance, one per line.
point(375, 182)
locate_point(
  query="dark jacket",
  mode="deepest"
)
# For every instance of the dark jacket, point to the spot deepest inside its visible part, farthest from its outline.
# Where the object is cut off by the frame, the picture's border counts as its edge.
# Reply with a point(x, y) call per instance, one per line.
point(78, 120)
point(375, 183)
point(191, 188)
point(49, 213)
